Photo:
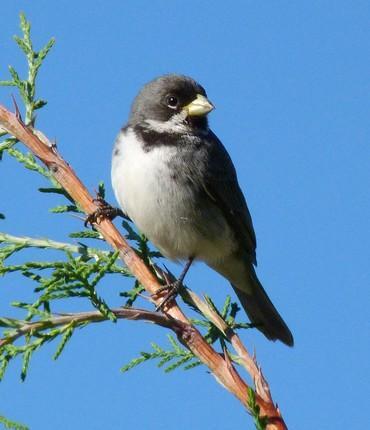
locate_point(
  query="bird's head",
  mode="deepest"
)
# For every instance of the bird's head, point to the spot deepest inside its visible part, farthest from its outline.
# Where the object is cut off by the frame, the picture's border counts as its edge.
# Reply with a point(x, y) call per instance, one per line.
point(171, 103)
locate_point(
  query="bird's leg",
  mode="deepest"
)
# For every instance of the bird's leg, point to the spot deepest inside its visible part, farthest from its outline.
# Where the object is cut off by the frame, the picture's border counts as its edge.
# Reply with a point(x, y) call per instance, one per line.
point(174, 287)
point(104, 211)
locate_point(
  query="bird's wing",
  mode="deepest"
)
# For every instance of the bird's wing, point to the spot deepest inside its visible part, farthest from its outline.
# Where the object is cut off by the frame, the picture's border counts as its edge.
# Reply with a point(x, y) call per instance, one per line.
point(221, 186)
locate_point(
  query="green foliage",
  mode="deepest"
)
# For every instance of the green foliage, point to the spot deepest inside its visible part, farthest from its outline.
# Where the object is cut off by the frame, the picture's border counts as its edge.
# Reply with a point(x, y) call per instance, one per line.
point(27, 90)
point(86, 234)
point(81, 268)
point(27, 87)
point(33, 341)
point(259, 422)
point(132, 294)
point(177, 355)
point(6, 145)
point(11, 424)
point(181, 357)
point(29, 162)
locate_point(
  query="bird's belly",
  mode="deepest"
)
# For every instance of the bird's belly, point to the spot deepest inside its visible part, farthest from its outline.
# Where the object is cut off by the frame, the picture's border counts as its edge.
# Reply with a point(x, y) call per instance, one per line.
point(166, 214)
point(167, 211)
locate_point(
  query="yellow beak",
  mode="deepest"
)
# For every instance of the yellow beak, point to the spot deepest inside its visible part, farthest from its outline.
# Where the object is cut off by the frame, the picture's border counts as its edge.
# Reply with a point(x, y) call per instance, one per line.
point(199, 106)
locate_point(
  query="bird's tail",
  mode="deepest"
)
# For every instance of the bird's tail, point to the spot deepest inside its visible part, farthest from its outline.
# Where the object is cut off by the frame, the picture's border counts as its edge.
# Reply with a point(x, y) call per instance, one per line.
point(261, 311)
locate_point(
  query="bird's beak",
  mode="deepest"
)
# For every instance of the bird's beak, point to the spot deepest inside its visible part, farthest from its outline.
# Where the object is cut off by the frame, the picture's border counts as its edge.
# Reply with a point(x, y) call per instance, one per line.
point(199, 106)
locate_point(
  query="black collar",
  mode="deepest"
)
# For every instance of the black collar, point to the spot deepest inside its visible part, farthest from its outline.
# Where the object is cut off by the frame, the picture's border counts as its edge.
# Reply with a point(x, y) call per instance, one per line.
point(151, 138)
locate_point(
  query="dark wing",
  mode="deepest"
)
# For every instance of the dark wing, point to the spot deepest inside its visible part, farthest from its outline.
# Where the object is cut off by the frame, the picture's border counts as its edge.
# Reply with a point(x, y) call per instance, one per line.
point(221, 185)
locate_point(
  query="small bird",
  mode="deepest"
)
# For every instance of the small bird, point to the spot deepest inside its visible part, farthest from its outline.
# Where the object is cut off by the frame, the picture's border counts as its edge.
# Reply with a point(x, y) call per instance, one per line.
point(174, 179)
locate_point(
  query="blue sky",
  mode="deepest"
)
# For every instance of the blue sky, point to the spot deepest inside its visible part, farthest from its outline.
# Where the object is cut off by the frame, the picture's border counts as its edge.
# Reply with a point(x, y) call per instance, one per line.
point(290, 85)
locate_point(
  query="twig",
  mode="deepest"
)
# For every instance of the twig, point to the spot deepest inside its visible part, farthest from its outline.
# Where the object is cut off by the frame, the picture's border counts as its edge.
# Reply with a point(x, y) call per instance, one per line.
point(93, 316)
point(246, 360)
point(28, 242)
point(221, 368)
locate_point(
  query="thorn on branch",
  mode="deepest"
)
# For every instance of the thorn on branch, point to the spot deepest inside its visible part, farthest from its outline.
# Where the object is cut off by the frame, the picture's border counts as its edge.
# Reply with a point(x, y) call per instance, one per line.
point(17, 111)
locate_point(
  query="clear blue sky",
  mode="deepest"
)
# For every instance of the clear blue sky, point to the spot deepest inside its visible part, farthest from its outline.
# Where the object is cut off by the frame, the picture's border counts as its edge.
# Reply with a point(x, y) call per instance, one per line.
point(290, 83)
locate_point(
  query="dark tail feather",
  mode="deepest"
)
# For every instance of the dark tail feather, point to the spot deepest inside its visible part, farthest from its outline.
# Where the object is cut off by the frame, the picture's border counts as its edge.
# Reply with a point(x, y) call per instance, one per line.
point(262, 312)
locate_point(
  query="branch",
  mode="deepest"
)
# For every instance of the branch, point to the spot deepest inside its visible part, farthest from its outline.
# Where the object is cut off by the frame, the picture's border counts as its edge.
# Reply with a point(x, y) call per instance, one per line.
point(93, 317)
point(30, 242)
point(246, 360)
point(220, 366)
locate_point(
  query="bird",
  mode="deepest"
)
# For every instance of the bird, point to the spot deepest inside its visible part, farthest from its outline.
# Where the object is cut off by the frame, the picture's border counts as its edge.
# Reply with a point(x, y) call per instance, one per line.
point(175, 180)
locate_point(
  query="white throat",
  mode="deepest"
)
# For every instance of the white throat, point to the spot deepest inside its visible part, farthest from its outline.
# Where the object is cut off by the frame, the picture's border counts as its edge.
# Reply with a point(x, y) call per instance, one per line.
point(176, 124)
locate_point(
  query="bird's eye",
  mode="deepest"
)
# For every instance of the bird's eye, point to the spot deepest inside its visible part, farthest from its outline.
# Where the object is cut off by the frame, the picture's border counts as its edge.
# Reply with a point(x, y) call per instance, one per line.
point(172, 102)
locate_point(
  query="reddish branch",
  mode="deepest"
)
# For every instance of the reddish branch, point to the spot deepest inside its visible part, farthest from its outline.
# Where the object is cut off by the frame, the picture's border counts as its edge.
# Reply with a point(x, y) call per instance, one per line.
point(220, 365)
point(79, 318)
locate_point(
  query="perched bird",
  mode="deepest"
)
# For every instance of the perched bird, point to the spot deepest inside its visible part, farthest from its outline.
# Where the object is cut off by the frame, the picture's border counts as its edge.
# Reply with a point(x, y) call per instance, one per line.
point(175, 180)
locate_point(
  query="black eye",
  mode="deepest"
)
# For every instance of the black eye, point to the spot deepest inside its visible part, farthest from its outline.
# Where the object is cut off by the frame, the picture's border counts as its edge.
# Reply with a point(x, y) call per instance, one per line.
point(172, 102)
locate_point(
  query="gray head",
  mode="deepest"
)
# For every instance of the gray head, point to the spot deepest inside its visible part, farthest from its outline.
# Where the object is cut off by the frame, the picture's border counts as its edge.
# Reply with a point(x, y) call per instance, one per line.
point(170, 101)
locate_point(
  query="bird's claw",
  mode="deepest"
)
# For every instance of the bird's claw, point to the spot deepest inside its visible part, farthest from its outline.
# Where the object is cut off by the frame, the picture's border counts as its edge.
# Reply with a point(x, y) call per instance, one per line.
point(104, 211)
point(172, 289)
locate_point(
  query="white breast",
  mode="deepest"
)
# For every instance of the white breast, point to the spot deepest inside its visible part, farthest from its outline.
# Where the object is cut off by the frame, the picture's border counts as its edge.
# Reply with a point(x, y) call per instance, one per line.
point(138, 178)
point(152, 199)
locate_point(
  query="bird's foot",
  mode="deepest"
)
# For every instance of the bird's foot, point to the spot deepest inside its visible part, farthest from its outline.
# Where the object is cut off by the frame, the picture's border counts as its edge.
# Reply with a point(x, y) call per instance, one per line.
point(172, 289)
point(104, 211)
